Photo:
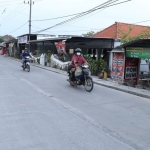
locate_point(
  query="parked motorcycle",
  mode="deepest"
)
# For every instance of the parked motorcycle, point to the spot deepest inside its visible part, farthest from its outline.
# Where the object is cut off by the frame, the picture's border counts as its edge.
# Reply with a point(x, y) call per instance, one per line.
point(82, 78)
point(26, 65)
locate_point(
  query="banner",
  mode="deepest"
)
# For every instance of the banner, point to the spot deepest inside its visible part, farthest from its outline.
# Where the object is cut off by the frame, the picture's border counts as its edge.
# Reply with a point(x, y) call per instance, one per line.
point(131, 71)
point(22, 39)
point(135, 52)
point(60, 46)
point(117, 72)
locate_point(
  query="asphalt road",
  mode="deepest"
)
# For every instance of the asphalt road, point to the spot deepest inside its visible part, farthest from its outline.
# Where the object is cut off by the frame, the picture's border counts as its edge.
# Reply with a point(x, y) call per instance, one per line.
point(39, 110)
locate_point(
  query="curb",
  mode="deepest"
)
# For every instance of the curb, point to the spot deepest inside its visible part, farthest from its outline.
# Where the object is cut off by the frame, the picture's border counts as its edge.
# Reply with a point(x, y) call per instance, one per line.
point(97, 83)
point(124, 90)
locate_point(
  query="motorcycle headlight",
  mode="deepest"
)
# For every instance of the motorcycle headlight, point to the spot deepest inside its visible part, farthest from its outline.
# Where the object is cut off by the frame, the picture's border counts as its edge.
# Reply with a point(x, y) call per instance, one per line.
point(85, 66)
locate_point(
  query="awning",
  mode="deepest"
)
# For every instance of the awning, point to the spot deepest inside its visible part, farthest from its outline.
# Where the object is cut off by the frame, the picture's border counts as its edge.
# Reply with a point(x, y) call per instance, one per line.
point(136, 43)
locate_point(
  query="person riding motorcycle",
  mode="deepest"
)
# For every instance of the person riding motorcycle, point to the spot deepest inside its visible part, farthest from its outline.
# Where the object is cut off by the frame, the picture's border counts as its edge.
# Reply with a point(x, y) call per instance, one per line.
point(24, 54)
point(76, 61)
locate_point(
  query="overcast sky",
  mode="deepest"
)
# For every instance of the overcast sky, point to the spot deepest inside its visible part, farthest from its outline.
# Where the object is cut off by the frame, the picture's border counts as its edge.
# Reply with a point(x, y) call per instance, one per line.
point(14, 16)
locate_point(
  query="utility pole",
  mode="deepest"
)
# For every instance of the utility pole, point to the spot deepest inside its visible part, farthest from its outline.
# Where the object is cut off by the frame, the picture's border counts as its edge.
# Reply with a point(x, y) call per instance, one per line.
point(30, 3)
point(30, 17)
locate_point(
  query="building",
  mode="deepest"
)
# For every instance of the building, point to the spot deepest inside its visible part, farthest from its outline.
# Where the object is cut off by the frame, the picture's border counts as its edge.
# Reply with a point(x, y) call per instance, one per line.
point(113, 30)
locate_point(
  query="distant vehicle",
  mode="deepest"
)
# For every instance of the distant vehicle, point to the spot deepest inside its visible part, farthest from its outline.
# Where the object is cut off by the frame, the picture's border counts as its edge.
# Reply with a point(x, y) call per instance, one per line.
point(144, 66)
point(26, 64)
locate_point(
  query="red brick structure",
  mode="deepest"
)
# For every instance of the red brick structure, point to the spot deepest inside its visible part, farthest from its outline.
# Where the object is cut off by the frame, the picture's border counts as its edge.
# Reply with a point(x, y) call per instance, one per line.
point(111, 31)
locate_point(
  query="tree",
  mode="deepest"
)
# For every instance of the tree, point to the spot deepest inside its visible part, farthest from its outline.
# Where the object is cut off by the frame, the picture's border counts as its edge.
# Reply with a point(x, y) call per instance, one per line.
point(7, 38)
point(89, 34)
point(1, 40)
point(126, 38)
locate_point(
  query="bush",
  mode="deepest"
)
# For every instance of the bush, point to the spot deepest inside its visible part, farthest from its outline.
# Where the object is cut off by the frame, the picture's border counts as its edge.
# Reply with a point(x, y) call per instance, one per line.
point(38, 60)
point(97, 66)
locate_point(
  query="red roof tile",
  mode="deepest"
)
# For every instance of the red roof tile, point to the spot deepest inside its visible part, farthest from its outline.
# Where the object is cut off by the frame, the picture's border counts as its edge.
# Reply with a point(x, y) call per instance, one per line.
point(111, 31)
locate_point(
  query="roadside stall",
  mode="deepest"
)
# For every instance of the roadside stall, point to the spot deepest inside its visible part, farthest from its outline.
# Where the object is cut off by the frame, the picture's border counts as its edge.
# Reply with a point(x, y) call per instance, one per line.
point(135, 51)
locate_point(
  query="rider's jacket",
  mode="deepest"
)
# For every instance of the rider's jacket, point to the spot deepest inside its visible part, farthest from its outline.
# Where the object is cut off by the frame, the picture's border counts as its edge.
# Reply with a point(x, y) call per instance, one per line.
point(79, 59)
point(25, 54)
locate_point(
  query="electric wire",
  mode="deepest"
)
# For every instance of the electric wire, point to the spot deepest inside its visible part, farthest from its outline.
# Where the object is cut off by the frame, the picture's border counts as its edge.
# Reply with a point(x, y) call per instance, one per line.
point(80, 14)
point(68, 15)
point(102, 10)
point(18, 28)
point(18, 13)
point(14, 11)
point(104, 5)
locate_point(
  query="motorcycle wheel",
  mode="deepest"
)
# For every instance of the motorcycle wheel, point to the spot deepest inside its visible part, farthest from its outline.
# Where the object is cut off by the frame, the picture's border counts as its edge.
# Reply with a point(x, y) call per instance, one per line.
point(71, 82)
point(23, 67)
point(28, 68)
point(88, 84)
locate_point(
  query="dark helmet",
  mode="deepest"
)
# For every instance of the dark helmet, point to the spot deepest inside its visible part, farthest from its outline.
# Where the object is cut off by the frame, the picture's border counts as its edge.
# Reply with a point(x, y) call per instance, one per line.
point(78, 50)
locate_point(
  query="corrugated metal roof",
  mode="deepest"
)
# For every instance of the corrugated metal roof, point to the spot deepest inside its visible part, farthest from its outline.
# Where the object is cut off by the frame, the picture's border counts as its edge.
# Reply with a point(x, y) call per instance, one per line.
point(77, 38)
point(136, 43)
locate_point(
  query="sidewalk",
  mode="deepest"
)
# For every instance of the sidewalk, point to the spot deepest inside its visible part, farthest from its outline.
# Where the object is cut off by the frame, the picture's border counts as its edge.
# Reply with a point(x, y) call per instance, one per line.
point(110, 84)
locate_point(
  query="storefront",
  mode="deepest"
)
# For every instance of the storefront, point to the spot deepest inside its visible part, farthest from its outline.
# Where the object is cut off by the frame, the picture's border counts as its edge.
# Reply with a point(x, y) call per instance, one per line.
point(93, 47)
point(135, 51)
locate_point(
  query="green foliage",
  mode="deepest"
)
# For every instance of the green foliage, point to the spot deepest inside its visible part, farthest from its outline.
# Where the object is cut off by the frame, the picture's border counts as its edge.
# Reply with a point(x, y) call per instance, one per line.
point(38, 60)
point(126, 38)
point(97, 66)
point(48, 57)
point(1, 40)
point(89, 34)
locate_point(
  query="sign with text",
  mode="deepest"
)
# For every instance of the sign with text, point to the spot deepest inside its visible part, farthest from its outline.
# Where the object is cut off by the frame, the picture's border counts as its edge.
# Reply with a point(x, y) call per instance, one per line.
point(135, 52)
point(117, 72)
point(60, 46)
point(131, 70)
point(22, 39)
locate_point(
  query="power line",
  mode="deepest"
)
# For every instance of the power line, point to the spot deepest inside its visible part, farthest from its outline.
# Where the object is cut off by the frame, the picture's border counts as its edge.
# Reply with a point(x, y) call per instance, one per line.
point(14, 11)
point(79, 15)
point(104, 5)
point(67, 15)
point(17, 28)
point(16, 14)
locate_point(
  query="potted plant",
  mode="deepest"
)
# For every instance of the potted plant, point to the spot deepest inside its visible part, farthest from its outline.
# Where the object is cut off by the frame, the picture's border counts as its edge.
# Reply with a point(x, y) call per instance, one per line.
point(101, 68)
point(38, 60)
point(48, 58)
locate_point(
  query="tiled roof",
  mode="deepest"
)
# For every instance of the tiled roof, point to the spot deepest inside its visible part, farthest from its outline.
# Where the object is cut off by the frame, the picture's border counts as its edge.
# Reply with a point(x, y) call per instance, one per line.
point(111, 31)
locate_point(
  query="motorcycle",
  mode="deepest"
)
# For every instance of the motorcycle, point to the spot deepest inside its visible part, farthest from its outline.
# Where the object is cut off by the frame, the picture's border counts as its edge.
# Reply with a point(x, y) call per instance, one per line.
point(26, 64)
point(82, 78)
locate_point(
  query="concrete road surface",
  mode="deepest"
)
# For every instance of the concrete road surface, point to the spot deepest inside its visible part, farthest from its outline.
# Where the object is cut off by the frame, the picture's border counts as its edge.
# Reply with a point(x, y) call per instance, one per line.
point(39, 110)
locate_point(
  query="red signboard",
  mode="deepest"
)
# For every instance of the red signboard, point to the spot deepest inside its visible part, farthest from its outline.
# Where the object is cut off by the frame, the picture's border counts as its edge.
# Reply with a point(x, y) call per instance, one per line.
point(117, 72)
point(60, 46)
point(131, 72)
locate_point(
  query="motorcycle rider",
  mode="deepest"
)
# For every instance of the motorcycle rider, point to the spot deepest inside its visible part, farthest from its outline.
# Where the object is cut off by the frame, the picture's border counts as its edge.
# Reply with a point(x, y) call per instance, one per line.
point(24, 54)
point(76, 61)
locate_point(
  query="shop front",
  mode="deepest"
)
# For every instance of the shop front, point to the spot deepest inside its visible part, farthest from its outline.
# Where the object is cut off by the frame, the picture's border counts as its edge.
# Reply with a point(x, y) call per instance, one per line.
point(135, 52)
point(136, 55)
